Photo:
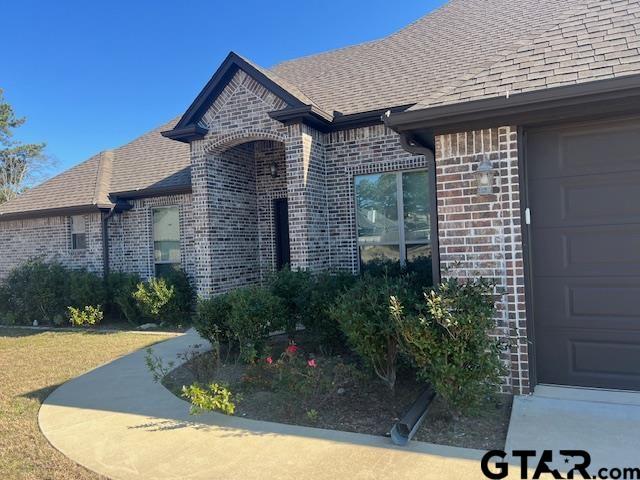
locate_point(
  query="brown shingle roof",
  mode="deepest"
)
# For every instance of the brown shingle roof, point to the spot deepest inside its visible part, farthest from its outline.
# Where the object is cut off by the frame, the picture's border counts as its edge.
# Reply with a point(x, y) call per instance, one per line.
point(147, 163)
point(465, 50)
point(429, 55)
point(598, 40)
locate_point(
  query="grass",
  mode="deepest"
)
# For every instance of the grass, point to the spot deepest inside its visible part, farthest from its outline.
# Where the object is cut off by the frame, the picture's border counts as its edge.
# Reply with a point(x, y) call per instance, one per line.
point(32, 365)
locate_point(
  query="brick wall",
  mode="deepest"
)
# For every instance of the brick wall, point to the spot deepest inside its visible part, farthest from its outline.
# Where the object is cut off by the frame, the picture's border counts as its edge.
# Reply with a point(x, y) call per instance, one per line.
point(307, 195)
point(268, 189)
point(131, 235)
point(350, 153)
point(130, 239)
point(50, 239)
point(480, 235)
point(232, 187)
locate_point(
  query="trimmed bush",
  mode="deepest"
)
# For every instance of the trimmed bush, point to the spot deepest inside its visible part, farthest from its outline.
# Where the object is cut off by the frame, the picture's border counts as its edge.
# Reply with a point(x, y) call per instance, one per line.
point(450, 344)
point(317, 319)
point(212, 319)
point(210, 398)
point(41, 292)
point(293, 287)
point(254, 313)
point(180, 309)
point(417, 271)
point(86, 289)
point(85, 317)
point(120, 289)
point(364, 317)
point(167, 299)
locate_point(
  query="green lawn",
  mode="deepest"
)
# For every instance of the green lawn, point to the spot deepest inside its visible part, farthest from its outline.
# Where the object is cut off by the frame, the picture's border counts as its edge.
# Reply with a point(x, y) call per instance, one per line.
point(32, 365)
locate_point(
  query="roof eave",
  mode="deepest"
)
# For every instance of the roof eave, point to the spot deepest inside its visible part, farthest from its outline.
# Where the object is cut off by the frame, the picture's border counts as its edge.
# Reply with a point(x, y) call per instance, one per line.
point(590, 99)
point(52, 212)
point(325, 122)
point(187, 134)
point(150, 192)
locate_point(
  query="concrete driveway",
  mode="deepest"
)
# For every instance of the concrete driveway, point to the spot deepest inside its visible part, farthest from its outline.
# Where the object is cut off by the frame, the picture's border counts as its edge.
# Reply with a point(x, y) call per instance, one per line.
point(116, 421)
point(604, 423)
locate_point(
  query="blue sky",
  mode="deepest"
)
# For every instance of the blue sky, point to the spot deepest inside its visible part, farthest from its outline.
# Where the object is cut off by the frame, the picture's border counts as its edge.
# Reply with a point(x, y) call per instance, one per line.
point(93, 75)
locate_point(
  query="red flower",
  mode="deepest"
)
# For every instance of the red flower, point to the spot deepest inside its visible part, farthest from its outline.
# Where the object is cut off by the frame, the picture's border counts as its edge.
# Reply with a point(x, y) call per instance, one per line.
point(312, 363)
point(291, 349)
point(269, 360)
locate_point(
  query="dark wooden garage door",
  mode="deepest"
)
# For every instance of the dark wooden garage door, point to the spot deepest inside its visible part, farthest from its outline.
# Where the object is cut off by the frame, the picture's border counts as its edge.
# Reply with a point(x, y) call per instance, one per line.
point(584, 196)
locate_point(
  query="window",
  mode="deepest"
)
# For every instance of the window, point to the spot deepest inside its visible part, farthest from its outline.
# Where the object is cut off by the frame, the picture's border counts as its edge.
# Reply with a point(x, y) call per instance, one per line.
point(78, 232)
point(393, 216)
point(166, 239)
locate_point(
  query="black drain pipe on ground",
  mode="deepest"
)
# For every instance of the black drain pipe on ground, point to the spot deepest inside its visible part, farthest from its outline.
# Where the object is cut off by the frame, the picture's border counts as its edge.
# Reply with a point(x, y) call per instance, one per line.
point(406, 428)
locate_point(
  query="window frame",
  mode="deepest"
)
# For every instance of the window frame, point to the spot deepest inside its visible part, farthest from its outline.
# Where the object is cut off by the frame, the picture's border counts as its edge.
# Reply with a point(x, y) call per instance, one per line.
point(402, 243)
point(153, 239)
point(76, 234)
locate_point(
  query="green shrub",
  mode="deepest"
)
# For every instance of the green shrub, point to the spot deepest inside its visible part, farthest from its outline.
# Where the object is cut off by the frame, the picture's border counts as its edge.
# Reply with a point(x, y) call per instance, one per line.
point(41, 291)
point(120, 301)
point(363, 315)
point(167, 299)
point(293, 287)
point(450, 344)
point(180, 308)
point(212, 319)
point(85, 289)
point(254, 313)
point(214, 397)
point(317, 319)
point(87, 316)
point(418, 271)
point(152, 297)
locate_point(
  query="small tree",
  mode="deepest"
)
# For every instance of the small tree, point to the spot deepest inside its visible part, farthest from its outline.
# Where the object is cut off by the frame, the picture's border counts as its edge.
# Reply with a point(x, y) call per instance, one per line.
point(21, 164)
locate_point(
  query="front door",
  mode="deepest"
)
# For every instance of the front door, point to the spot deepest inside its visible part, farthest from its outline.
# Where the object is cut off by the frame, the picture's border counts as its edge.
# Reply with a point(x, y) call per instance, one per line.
point(584, 195)
point(281, 212)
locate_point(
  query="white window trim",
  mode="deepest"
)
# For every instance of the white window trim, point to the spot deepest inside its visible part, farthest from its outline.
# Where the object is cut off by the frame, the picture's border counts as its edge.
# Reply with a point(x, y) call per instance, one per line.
point(401, 243)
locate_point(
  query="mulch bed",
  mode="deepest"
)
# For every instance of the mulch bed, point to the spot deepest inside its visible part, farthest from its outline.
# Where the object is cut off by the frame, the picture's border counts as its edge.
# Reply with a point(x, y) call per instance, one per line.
point(367, 407)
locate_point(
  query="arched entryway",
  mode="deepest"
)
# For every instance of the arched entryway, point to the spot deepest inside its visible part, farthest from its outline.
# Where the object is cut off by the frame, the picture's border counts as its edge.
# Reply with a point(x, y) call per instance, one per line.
point(246, 199)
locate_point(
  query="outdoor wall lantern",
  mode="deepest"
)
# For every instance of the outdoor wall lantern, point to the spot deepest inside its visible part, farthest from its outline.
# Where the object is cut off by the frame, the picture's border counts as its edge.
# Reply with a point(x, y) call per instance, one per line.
point(484, 176)
point(274, 170)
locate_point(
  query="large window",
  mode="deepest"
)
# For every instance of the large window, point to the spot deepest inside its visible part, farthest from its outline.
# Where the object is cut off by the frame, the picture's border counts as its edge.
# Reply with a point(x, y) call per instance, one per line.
point(166, 239)
point(393, 216)
point(78, 232)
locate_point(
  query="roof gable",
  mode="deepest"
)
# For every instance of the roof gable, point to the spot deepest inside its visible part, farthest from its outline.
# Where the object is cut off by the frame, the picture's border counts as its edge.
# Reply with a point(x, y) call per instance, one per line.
point(189, 127)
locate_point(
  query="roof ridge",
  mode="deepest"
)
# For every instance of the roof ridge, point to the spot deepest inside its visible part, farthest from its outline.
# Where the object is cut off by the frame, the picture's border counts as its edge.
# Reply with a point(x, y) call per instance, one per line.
point(103, 178)
point(573, 10)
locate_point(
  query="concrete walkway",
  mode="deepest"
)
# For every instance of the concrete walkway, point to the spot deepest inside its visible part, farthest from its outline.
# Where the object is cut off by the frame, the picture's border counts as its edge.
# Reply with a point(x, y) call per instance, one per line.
point(604, 423)
point(116, 421)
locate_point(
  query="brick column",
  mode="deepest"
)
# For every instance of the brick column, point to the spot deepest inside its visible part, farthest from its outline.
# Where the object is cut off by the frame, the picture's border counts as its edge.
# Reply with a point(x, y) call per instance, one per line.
point(201, 185)
point(480, 235)
point(307, 196)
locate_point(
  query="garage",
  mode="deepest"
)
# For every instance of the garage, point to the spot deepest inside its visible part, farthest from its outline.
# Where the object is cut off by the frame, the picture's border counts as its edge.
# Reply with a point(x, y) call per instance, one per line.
point(583, 189)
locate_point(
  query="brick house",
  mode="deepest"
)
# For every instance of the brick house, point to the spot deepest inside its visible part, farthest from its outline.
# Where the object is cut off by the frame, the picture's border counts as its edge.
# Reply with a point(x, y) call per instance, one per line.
point(500, 138)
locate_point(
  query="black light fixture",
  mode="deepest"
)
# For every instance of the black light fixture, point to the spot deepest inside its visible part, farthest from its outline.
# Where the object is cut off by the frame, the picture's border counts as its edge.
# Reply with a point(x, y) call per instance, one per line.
point(484, 176)
point(274, 169)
